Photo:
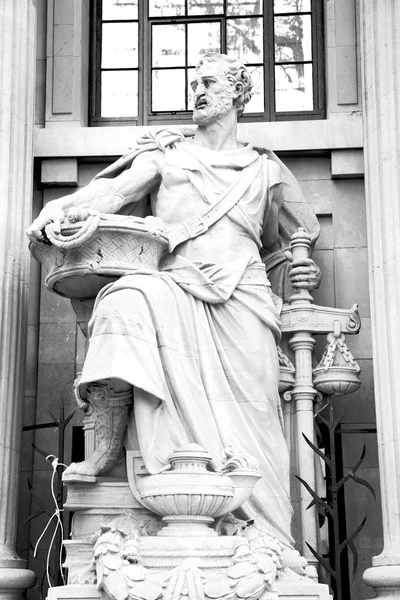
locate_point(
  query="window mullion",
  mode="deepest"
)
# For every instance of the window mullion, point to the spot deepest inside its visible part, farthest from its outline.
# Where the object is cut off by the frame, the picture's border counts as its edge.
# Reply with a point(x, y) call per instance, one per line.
point(318, 55)
point(97, 32)
point(269, 60)
point(186, 64)
point(145, 63)
point(223, 33)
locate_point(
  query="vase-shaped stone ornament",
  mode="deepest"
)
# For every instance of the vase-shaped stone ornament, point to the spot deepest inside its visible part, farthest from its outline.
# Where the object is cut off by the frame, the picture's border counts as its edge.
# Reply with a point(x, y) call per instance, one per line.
point(189, 496)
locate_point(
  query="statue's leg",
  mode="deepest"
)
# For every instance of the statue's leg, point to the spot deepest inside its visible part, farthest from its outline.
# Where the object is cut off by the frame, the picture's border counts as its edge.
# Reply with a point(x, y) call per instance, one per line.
point(110, 402)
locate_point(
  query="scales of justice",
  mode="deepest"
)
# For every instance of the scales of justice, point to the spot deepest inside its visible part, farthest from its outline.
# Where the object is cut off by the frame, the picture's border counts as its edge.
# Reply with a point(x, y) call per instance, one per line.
point(197, 506)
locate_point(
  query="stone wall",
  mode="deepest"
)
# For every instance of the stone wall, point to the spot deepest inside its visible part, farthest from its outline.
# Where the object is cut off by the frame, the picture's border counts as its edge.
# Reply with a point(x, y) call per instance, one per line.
point(341, 253)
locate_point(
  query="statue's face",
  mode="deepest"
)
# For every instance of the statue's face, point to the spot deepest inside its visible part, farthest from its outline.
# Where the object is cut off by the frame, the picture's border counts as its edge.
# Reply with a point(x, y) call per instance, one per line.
point(213, 93)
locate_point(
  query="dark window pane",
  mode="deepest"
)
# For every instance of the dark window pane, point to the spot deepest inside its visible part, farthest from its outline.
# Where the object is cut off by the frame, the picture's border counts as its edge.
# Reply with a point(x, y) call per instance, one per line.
point(293, 38)
point(119, 45)
point(120, 9)
point(205, 7)
point(166, 8)
point(244, 7)
point(202, 38)
point(287, 6)
point(293, 88)
point(168, 45)
point(168, 90)
point(244, 39)
point(256, 103)
point(119, 94)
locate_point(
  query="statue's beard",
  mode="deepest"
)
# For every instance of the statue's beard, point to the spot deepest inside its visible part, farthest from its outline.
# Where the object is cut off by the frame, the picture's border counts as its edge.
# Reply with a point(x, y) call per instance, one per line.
point(217, 106)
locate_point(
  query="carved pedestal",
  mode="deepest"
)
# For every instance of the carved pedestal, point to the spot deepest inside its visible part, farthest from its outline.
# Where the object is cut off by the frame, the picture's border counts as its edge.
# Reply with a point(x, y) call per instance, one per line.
point(97, 507)
point(166, 567)
point(120, 550)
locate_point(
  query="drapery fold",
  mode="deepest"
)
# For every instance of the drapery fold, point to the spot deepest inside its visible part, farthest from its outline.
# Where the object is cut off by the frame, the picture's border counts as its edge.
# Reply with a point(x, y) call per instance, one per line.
point(198, 344)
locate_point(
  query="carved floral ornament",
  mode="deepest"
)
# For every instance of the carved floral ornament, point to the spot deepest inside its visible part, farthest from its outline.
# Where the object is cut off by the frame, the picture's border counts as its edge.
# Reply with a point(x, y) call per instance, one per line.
point(257, 565)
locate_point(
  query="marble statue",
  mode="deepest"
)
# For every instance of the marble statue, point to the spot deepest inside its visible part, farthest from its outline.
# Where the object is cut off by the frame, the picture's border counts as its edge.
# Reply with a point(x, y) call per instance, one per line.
point(187, 354)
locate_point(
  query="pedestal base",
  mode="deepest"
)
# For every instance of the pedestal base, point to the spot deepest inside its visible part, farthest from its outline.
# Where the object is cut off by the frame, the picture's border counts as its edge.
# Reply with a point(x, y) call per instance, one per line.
point(286, 591)
point(74, 592)
point(14, 582)
point(385, 580)
point(118, 547)
point(290, 590)
point(161, 567)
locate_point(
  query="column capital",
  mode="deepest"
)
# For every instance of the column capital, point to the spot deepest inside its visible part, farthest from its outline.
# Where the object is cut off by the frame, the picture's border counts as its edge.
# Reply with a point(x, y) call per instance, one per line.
point(302, 341)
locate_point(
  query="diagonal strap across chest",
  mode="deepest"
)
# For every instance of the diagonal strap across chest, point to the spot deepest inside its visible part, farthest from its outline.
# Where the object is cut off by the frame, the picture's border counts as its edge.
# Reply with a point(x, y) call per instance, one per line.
point(199, 224)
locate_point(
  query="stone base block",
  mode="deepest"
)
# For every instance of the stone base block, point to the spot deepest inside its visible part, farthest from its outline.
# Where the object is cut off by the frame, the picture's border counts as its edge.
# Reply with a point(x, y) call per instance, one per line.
point(74, 592)
point(99, 503)
point(100, 493)
point(385, 580)
point(286, 591)
point(78, 561)
point(14, 582)
point(116, 544)
point(291, 590)
point(211, 555)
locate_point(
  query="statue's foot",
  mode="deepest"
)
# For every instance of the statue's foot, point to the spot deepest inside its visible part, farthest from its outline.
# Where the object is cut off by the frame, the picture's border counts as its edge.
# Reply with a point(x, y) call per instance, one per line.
point(110, 412)
point(99, 463)
point(84, 468)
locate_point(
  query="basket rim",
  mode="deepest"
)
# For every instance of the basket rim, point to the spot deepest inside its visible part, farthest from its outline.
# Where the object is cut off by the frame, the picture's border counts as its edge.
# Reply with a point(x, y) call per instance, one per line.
point(124, 226)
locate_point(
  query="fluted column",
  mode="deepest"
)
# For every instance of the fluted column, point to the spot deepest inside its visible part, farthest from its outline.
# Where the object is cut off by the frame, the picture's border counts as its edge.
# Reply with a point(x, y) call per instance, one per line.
point(17, 72)
point(380, 52)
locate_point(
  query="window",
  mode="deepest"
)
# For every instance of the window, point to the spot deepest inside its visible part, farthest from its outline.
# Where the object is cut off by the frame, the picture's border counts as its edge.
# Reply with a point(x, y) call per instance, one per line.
point(145, 51)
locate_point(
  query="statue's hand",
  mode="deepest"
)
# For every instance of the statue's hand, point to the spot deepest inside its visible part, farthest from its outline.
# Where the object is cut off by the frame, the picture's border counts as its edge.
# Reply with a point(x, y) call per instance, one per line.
point(304, 274)
point(48, 215)
point(77, 213)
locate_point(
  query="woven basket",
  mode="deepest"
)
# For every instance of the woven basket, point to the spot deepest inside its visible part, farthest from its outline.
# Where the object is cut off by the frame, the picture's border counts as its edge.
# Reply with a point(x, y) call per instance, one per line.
point(116, 247)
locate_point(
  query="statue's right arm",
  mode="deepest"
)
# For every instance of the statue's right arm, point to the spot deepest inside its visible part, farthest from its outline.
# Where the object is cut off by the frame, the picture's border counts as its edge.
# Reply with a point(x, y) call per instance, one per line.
point(104, 195)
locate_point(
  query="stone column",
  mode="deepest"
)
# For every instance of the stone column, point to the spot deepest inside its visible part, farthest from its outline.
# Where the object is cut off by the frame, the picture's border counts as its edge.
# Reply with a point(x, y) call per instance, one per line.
point(302, 344)
point(17, 76)
point(380, 52)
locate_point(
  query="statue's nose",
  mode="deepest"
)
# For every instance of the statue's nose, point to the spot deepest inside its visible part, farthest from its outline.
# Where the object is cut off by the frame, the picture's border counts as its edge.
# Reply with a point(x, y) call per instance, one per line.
point(200, 89)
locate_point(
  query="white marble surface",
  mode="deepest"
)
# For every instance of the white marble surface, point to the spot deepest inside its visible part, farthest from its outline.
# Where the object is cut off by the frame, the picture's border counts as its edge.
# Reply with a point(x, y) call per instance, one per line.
point(17, 25)
point(380, 23)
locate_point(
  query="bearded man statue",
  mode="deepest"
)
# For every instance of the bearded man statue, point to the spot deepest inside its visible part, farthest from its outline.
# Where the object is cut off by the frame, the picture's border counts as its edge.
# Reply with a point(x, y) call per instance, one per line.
point(188, 353)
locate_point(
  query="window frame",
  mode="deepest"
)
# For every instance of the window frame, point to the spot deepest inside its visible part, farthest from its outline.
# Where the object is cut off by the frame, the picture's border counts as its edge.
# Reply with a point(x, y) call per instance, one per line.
point(146, 117)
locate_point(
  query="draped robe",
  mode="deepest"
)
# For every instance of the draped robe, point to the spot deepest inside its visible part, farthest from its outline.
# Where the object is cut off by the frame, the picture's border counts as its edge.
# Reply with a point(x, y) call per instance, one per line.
point(198, 344)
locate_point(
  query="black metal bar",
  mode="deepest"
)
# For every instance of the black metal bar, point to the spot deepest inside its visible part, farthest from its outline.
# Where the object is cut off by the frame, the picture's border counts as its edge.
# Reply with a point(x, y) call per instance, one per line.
point(342, 554)
point(336, 582)
point(295, 62)
point(39, 426)
point(343, 429)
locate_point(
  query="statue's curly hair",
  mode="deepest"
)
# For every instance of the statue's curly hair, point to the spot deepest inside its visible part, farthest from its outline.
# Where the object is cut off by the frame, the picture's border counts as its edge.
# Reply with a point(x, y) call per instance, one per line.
point(236, 71)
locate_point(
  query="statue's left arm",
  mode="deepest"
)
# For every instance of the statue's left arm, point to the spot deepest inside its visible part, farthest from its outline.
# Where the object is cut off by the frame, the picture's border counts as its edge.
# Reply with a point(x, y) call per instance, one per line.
point(283, 272)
